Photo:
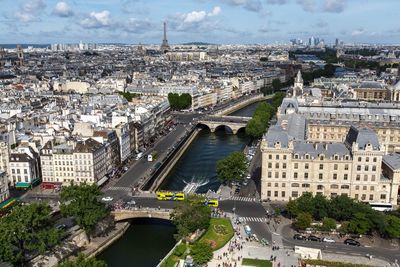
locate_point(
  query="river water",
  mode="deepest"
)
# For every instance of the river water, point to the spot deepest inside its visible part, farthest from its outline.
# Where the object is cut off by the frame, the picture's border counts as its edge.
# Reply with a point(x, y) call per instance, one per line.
point(149, 240)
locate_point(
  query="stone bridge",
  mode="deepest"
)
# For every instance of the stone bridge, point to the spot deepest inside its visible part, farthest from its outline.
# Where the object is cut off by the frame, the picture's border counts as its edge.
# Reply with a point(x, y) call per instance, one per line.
point(234, 123)
point(121, 215)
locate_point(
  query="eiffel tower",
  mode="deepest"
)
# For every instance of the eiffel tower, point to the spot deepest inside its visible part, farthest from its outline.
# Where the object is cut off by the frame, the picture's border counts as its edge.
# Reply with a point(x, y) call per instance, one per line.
point(165, 46)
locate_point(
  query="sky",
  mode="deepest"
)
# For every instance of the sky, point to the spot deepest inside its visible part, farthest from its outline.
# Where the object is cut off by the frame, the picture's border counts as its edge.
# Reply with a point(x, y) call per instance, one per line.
point(212, 21)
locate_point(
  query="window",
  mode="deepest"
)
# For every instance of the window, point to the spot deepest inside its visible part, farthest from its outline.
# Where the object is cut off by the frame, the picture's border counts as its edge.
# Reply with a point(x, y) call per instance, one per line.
point(295, 185)
point(345, 186)
point(270, 156)
point(363, 197)
point(373, 178)
point(366, 168)
point(346, 167)
point(269, 174)
point(284, 165)
point(374, 159)
point(345, 176)
point(305, 185)
point(373, 168)
point(334, 186)
point(276, 174)
point(268, 193)
point(295, 175)
point(269, 184)
point(334, 176)
point(365, 177)
point(357, 187)
point(277, 156)
point(283, 194)
point(320, 187)
point(320, 176)
point(335, 167)
point(359, 159)
point(296, 165)
point(371, 197)
point(364, 187)
point(358, 167)
point(284, 157)
point(383, 196)
point(276, 193)
point(283, 185)
point(269, 165)
point(321, 166)
point(295, 194)
point(306, 166)
point(367, 159)
point(306, 175)
point(276, 185)
point(283, 174)
point(356, 196)
point(277, 165)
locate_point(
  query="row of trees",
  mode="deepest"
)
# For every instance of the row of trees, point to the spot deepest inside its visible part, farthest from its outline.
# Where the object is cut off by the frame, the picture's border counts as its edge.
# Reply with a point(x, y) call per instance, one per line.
point(264, 112)
point(232, 168)
point(128, 96)
point(328, 71)
point(329, 55)
point(29, 229)
point(179, 102)
point(355, 217)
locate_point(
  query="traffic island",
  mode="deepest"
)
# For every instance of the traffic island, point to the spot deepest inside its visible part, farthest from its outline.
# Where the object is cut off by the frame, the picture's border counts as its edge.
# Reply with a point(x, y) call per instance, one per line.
point(256, 263)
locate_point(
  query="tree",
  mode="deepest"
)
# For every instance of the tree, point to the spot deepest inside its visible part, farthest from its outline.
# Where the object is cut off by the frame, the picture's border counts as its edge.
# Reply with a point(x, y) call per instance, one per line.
point(27, 231)
point(328, 224)
point(81, 202)
point(255, 128)
point(190, 215)
point(201, 252)
point(178, 102)
point(359, 224)
point(81, 261)
point(303, 221)
point(232, 167)
point(392, 226)
point(321, 207)
point(276, 84)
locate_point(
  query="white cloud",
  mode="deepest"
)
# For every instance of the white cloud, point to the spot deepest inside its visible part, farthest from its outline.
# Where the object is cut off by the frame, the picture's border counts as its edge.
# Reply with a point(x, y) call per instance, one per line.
point(308, 5)
point(358, 32)
point(251, 5)
point(30, 11)
point(198, 16)
point(62, 9)
point(335, 6)
point(97, 20)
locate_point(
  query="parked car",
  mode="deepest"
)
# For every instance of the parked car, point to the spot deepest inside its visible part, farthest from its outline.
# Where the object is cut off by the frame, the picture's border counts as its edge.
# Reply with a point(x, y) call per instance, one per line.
point(352, 242)
point(61, 226)
point(131, 202)
point(314, 238)
point(328, 240)
point(107, 199)
point(299, 237)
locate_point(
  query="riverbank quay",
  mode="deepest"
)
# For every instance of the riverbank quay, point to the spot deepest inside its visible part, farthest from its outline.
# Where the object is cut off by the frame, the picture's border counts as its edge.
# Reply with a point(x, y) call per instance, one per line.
point(79, 242)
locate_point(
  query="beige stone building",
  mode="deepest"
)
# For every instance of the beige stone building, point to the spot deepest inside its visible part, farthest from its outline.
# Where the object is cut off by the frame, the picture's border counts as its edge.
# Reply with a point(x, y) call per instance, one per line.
point(291, 166)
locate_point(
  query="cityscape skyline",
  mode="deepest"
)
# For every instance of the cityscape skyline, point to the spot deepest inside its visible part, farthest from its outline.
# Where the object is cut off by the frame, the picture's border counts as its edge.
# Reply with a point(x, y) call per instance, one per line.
point(138, 21)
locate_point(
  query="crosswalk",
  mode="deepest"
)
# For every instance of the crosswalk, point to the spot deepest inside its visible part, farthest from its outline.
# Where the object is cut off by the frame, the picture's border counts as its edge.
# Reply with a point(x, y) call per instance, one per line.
point(252, 219)
point(119, 188)
point(247, 199)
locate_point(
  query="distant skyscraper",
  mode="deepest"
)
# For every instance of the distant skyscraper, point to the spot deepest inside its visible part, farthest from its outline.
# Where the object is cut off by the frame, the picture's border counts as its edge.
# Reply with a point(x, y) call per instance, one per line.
point(165, 45)
point(337, 42)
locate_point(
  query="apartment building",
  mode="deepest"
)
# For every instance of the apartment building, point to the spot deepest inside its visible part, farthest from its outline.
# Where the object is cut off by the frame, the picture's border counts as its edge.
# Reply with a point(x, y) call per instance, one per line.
point(354, 167)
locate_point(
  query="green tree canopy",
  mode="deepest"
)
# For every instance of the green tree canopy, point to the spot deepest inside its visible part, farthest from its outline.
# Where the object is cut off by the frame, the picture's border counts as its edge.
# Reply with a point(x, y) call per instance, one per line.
point(178, 102)
point(303, 221)
point(82, 202)
point(232, 167)
point(81, 261)
point(190, 215)
point(392, 226)
point(201, 253)
point(255, 128)
point(328, 224)
point(26, 231)
point(359, 224)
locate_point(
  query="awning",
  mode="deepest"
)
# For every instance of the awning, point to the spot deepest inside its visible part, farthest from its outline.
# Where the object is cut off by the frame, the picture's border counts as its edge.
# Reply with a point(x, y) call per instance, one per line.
point(102, 181)
point(22, 185)
point(7, 203)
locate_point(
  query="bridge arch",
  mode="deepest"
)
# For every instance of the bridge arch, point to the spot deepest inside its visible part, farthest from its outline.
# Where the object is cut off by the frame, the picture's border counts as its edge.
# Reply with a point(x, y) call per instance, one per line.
point(241, 129)
point(123, 215)
point(224, 127)
point(204, 126)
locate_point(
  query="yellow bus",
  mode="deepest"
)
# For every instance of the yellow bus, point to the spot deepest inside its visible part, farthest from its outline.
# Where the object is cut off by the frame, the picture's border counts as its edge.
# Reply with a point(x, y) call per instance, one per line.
point(211, 203)
point(167, 195)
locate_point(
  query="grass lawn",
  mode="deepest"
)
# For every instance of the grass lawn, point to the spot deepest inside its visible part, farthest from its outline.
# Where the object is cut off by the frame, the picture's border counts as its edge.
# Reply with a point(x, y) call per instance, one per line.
point(219, 233)
point(256, 263)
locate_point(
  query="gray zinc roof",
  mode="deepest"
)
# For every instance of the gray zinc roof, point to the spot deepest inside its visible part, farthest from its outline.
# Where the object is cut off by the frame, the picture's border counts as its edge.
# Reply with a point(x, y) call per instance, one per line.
point(392, 161)
point(277, 134)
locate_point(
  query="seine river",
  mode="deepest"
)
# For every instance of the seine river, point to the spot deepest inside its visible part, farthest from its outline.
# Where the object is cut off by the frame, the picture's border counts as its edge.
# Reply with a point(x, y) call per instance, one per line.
point(149, 240)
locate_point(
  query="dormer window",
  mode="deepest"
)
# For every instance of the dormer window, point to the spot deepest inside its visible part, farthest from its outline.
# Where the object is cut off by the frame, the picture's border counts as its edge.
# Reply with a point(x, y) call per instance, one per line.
point(307, 156)
point(321, 157)
point(336, 157)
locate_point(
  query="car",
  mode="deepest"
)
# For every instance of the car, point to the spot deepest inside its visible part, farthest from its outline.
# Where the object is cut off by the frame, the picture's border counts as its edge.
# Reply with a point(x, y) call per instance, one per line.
point(131, 202)
point(299, 237)
point(352, 242)
point(61, 226)
point(328, 240)
point(248, 176)
point(314, 238)
point(107, 199)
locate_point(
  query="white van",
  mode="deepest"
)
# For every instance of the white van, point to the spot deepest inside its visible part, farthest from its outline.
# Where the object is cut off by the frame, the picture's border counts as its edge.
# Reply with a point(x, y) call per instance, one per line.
point(247, 229)
point(139, 155)
point(149, 157)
